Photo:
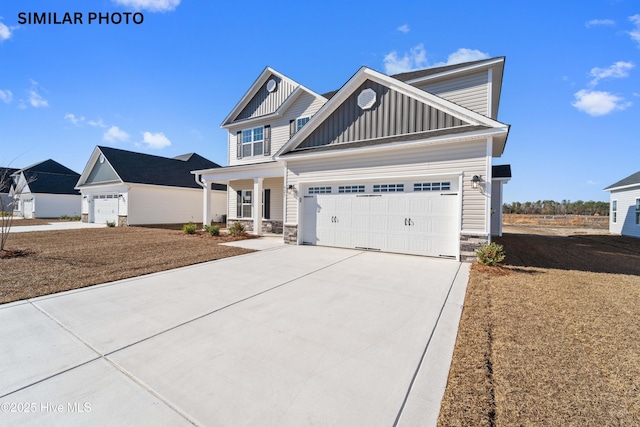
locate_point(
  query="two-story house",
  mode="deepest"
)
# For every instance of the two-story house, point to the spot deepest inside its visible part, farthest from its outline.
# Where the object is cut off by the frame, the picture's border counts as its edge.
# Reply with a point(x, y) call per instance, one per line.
point(397, 163)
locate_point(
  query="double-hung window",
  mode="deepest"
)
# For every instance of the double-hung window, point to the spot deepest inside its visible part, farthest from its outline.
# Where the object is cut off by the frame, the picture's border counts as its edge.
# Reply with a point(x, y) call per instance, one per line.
point(245, 204)
point(637, 211)
point(252, 142)
point(614, 211)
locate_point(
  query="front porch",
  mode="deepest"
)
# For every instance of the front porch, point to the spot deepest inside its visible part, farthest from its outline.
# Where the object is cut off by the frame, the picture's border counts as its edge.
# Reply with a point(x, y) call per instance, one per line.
point(255, 195)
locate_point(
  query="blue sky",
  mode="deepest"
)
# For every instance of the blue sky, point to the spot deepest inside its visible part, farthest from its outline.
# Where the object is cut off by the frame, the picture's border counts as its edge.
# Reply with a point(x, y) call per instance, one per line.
point(571, 87)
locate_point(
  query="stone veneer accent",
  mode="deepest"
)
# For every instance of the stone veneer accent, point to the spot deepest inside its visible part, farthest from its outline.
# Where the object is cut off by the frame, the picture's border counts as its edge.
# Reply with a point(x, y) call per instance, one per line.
point(84, 218)
point(468, 245)
point(122, 221)
point(268, 226)
point(291, 234)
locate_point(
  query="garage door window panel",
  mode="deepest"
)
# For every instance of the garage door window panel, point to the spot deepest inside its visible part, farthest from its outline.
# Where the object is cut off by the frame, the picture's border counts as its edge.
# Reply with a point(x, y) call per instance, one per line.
point(432, 186)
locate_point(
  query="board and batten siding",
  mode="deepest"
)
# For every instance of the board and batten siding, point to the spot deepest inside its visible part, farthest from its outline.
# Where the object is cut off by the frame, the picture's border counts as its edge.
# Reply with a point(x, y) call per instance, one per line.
point(470, 91)
point(265, 102)
point(626, 214)
point(306, 105)
point(392, 114)
point(276, 185)
point(468, 158)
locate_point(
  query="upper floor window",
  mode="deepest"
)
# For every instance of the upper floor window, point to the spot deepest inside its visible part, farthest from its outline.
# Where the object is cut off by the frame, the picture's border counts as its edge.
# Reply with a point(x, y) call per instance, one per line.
point(252, 142)
point(614, 211)
point(301, 122)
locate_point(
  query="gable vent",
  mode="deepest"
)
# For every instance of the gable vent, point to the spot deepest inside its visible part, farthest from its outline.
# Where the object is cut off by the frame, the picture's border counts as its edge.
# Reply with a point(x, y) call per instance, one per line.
point(366, 99)
point(272, 85)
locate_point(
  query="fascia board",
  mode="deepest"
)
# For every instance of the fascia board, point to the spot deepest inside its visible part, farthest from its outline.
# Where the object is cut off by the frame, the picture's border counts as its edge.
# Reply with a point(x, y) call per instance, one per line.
point(475, 136)
point(457, 71)
point(622, 187)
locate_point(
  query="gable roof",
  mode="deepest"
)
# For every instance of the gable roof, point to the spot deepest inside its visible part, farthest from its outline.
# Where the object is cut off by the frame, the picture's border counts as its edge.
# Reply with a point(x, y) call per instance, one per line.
point(140, 168)
point(259, 103)
point(427, 72)
point(630, 181)
point(461, 116)
point(5, 179)
point(49, 177)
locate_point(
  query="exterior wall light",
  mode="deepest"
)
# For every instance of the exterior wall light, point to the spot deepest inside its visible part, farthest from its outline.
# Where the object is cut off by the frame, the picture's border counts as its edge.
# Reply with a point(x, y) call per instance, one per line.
point(291, 189)
point(475, 181)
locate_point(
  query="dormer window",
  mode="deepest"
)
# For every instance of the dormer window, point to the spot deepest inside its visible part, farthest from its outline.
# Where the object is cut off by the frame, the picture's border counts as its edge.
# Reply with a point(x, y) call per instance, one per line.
point(301, 122)
point(252, 142)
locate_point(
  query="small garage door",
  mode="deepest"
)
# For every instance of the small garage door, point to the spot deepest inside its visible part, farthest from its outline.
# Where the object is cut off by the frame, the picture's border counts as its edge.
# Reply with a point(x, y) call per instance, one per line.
point(421, 222)
point(27, 208)
point(105, 208)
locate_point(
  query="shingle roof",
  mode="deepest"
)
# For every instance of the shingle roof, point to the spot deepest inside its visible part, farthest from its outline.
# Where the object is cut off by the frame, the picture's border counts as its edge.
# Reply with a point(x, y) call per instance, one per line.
point(501, 171)
point(5, 179)
point(630, 180)
point(50, 177)
point(140, 168)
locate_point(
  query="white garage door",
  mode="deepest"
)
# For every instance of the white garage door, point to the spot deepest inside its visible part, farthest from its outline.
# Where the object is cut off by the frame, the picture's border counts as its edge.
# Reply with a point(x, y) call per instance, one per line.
point(105, 208)
point(420, 222)
point(27, 208)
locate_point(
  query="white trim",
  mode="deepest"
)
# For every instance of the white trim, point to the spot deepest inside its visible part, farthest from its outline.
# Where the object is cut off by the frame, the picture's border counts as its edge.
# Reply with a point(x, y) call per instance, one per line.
point(456, 71)
point(488, 189)
point(231, 173)
point(489, 92)
point(95, 155)
point(623, 187)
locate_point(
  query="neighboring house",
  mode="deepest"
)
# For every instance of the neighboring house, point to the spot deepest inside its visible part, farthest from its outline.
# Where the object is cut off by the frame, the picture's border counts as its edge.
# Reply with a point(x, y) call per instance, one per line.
point(45, 190)
point(131, 188)
point(6, 189)
point(624, 215)
point(397, 163)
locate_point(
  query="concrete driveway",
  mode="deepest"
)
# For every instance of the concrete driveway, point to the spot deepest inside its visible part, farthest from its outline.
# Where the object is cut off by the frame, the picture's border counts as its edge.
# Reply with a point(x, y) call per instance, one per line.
point(289, 336)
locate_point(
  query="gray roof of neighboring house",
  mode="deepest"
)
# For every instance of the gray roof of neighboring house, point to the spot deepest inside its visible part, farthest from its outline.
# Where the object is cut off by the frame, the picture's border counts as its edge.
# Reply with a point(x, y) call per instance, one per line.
point(501, 171)
point(50, 177)
point(5, 179)
point(630, 180)
point(388, 140)
point(140, 168)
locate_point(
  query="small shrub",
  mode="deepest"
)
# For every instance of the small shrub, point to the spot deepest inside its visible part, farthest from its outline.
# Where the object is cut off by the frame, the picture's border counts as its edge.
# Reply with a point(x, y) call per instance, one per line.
point(64, 217)
point(76, 218)
point(111, 223)
point(490, 254)
point(237, 229)
point(214, 230)
point(189, 228)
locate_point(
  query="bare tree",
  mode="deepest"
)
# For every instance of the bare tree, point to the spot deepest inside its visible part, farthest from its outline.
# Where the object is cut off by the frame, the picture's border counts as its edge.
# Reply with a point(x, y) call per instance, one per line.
point(7, 203)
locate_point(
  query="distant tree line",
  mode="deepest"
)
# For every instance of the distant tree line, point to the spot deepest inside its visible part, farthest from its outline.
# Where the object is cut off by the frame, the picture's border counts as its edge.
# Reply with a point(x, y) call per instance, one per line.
point(551, 207)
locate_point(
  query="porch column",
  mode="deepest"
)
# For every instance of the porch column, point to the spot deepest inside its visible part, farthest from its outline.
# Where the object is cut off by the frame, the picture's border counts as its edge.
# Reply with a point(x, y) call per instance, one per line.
point(206, 203)
point(257, 206)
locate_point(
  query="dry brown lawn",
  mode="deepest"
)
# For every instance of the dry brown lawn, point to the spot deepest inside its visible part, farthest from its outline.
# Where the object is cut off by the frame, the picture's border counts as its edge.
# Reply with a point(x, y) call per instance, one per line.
point(553, 338)
point(56, 261)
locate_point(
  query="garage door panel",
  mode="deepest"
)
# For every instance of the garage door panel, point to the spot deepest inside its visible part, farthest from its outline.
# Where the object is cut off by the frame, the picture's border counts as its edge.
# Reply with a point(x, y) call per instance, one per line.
point(105, 209)
point(422, 223)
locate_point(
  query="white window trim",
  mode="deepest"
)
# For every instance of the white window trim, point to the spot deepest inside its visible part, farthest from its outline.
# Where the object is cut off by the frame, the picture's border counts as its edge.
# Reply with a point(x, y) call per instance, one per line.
point(243, 204)
point(253, 142)
point(300, 126)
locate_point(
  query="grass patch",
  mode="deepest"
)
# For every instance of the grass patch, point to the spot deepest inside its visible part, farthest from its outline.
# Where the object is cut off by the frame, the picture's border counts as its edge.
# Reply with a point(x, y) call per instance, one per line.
point(55, 261)
point(551, 338)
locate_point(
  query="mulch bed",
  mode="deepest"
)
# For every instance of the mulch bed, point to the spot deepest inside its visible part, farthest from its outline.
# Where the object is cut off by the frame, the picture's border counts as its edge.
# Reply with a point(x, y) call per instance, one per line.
point(55, 261)
point(551, 338)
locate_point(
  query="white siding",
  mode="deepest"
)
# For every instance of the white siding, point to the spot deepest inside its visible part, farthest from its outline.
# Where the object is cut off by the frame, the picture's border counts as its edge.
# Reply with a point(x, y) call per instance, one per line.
point(165, 205)
point(496, 207)
point(55, 205)
point(306, 105)
point(468, 158)
point(626, 217)
point(470, 91)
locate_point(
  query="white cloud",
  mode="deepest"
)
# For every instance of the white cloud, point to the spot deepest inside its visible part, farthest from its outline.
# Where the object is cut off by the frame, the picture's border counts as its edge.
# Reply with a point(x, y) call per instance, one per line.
point(5, 32)
point(616, 71)
point(155, 140)
point(635, 34)
point(35, 99)
point(404, 28)
point(464, 55)
point(73, 119)
point(150, 5)
point(6, 96)
point(597, 22)
point(97, 123)
point(415, 59)
point(114, 134)
point(597, 103)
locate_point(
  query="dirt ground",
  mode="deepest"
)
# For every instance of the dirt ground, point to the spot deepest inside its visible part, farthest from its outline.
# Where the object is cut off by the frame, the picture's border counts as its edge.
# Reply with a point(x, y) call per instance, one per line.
point(55, 261)
point(552, 337)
